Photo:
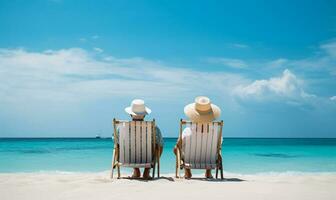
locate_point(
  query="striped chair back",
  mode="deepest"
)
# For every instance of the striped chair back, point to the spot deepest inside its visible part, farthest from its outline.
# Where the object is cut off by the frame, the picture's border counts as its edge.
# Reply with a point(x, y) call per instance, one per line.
point(136, 143)
point(201, 148)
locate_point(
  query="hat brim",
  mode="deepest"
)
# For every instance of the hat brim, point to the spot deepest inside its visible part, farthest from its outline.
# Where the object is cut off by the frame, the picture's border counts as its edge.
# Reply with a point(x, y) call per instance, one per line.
point(195, 116)
point(146, 112)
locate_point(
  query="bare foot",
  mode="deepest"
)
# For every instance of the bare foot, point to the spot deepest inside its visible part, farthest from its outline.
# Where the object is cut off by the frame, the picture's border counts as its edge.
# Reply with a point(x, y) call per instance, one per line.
point(136, 173)
point(187, 173)
point(208, 173)
point(146, 174)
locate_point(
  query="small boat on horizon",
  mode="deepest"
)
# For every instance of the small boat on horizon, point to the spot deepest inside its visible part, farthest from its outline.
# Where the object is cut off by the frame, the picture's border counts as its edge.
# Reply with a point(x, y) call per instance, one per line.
point(98, 135)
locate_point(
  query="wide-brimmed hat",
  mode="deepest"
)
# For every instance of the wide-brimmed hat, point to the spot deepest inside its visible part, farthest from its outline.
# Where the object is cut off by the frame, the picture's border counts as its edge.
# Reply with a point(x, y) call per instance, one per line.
point(138, 108)
point(202, 110)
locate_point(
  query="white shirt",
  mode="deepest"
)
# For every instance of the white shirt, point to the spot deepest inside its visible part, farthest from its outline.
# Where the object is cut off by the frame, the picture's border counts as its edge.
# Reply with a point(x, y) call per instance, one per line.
point(185, 133)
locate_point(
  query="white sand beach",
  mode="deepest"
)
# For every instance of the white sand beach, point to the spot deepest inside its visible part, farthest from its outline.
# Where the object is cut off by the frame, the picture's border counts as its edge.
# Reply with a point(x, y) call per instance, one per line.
point(98, 186)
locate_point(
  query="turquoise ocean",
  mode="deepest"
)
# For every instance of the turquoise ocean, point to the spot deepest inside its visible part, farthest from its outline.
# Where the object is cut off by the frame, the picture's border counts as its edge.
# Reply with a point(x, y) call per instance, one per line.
point(240, 155)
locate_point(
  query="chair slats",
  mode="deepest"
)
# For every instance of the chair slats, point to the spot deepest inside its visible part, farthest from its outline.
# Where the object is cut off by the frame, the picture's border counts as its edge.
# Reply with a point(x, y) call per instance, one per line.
point(138, 142)
point(200, 148)
point(209, 143)
point(122, 130)
point(214, 143)
point(193, 142)
point(135, 143)
point(127, 143)
point(204, 145)
point(132, 142)
point(149, 142)
point(143, 142)
point(187, 147)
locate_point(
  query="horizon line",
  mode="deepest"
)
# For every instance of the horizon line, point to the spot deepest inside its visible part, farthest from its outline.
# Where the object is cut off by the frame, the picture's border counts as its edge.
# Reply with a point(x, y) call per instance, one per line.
point(168, 138)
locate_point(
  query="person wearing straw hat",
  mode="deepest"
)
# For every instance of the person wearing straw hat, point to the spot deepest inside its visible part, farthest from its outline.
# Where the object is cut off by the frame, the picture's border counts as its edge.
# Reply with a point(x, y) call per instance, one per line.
point(202, 110)
point(138, 111)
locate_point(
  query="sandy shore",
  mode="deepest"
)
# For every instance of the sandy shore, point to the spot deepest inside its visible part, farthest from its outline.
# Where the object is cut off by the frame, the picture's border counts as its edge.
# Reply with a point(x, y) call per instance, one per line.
point(98, 186)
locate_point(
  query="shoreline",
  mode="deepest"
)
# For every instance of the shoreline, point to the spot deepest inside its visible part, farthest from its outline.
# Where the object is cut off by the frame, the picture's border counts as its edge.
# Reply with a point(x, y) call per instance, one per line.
point(172, 174)
point(224, 137)
point(98, 185)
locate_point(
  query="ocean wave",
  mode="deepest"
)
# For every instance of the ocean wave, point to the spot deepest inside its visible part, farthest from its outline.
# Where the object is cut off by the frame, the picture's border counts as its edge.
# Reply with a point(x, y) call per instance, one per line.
point(275, 155)
point(51, 150)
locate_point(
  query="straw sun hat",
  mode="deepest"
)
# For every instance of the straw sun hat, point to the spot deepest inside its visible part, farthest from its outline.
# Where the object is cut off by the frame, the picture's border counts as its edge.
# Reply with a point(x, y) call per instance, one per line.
point(202, 110)
point(138, 108)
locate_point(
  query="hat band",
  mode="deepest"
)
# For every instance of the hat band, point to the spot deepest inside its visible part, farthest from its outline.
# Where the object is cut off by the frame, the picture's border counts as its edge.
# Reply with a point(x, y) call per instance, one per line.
point(141, 112)
point(204, 111)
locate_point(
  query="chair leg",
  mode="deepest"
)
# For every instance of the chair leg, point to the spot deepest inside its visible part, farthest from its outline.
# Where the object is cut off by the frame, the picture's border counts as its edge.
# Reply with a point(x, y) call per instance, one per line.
point(112, 173)
point(221, 167)
point(153, 173)
point(178, 164)
point(217, 172)
point(176, 168)
point(158, 159)
point(221, 171)
point(113, 163)
point(118, 167)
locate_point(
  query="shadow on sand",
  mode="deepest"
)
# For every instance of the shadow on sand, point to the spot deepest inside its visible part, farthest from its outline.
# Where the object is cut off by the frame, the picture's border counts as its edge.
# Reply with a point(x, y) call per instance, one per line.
point(173, 179)
point(218, 180)
point(151, 179)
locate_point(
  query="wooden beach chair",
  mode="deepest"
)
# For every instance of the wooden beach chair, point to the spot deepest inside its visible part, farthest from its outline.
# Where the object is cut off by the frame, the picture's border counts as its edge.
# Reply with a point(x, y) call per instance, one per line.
point(202, 149)
point(136, 148)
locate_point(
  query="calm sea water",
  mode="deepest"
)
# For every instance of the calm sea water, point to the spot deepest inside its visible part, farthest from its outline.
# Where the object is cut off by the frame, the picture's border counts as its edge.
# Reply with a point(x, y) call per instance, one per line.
point(245, 156)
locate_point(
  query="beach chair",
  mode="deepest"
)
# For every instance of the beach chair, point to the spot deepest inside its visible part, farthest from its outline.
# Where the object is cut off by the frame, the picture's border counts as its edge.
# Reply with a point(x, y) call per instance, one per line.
point(202, 149)
point(136, 148)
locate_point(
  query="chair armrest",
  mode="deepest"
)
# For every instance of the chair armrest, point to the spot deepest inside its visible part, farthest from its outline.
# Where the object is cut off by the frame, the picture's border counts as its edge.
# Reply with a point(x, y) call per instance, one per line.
point(179, 143)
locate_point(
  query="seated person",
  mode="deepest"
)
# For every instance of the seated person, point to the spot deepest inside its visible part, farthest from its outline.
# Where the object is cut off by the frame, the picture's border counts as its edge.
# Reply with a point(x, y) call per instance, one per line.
point(138, 111)
point(200, 111)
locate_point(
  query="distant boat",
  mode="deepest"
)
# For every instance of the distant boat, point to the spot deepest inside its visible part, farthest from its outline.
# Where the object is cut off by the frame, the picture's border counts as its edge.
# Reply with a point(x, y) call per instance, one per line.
point(98, 135)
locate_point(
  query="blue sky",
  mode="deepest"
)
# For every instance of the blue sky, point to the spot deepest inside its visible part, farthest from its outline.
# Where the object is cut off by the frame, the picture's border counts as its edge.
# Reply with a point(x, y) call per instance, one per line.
point(68, 67)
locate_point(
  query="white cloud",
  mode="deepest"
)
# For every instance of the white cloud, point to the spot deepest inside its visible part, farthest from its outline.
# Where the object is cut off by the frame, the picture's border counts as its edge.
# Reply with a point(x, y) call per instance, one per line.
point(315, 68)
point(329, 48)
point(324, 61)
point(98, 50)
point(239, 46)
point(280, 62)
point(89, 39)
point(229, 62)
point(72, 86)
point(285, 86)
point(75, 74)
point(333, 98)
